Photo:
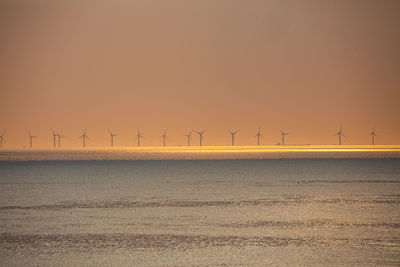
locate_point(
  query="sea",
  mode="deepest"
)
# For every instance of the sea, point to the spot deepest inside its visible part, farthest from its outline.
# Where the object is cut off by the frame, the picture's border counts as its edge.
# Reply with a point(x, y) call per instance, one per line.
point(243, 212)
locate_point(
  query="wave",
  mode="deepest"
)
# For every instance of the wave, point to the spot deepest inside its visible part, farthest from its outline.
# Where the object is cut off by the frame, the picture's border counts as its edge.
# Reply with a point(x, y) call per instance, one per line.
point(310, 224)
point(88, 242)
point(351, 181)
point(290, 200)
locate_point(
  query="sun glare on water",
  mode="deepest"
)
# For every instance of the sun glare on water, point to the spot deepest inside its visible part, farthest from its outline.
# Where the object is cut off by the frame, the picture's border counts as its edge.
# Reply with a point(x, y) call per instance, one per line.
point(204, 152)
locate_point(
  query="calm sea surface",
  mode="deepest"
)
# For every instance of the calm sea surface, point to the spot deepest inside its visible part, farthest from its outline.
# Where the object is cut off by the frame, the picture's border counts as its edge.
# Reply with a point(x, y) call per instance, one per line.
point(217, 212)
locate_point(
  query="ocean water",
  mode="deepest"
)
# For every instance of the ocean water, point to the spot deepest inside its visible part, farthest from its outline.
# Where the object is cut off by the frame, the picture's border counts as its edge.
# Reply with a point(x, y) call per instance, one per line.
point(294, 212)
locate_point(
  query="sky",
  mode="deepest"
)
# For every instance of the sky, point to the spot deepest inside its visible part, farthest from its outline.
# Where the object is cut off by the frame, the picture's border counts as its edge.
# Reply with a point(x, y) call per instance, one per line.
point(304, 66)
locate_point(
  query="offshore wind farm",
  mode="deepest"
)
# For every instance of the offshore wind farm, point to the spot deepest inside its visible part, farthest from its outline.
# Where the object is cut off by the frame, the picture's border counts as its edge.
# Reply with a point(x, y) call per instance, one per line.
point(201, 151)
point(56, 139)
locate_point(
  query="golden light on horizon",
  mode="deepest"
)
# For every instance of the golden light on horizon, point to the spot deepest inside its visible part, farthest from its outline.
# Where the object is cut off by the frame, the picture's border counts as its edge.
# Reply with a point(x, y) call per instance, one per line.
point(202, 153)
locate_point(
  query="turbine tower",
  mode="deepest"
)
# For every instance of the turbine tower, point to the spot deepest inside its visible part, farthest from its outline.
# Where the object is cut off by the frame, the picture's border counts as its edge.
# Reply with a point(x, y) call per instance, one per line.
point(54, 138)
point(201, 136)
point(340, 134)
point(138, 137)
point(283, 133)
point(233, 135)
point(1, 140)
point(189, 138)
point(30, 139)
point(59, 139)
point(84, 137)
point(258, 135)
point(164, 137)
point(373, 134)
point(112, 137)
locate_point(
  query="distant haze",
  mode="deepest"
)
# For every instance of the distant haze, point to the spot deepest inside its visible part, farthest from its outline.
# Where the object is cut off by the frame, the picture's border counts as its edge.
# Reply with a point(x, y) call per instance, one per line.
point(303, 66)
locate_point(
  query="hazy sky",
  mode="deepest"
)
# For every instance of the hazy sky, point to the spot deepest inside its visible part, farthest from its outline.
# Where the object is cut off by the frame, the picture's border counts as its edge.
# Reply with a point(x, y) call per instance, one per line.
point(304, 66)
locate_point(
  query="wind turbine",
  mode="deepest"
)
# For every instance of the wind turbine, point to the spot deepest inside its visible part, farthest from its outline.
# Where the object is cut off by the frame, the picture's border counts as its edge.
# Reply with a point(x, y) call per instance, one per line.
point(373, 134)
point(233, 135)
point(84, 137)
point(59, 139)
point(138, 137)
point(340, 134)
point(1, 139)
point(189, 138)
point(283, 133)
point(54, 137)
point(30, 139)
point(200, 135)
point(258, 135)
point(164, 136)
point(112, 137)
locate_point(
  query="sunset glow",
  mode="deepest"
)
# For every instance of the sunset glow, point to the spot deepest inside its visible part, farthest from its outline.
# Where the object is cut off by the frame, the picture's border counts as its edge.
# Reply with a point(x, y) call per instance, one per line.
point(199, 133)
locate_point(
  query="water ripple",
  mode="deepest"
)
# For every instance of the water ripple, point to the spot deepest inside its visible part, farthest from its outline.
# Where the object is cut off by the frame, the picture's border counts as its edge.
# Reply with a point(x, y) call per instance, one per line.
point(309, 224)
point(87, 242)
point(289, 200)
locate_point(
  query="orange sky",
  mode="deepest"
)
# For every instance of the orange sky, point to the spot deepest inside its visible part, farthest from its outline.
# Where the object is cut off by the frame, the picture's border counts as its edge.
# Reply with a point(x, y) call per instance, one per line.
point(305, 66)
